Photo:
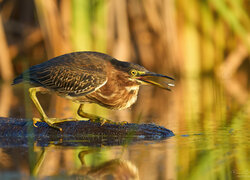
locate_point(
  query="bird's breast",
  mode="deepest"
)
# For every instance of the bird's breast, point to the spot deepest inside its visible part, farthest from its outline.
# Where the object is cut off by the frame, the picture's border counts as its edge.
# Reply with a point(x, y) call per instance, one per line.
point(115, 98)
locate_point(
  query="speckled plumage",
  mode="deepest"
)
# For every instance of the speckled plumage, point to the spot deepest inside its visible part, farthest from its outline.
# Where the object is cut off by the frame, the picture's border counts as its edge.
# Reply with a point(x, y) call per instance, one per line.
point(86, 77)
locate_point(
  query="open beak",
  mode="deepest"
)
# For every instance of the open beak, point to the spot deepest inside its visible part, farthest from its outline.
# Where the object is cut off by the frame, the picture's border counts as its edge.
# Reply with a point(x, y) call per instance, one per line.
point(162, 81)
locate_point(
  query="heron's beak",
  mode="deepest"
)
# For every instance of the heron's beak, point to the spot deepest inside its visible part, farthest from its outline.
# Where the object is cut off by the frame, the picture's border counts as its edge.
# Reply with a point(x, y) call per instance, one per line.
point(159, 80)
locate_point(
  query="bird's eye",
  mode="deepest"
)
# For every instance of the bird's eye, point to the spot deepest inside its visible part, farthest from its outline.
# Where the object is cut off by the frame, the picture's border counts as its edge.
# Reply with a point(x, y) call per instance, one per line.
point(133, 72)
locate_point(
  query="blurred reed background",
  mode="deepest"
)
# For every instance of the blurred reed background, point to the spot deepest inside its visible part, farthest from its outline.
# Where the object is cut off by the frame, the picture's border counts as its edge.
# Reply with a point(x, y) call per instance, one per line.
point(190, 39)
point(204, 44)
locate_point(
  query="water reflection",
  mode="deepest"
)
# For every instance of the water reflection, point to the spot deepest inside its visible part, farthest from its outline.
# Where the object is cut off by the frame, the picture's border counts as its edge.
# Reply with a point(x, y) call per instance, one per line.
point(110, 169)
point(212, 140)
point(221, 154)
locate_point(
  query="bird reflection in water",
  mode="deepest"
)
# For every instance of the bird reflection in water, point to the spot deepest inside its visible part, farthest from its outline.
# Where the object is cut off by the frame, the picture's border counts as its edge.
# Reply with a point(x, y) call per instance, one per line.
point(113, 169)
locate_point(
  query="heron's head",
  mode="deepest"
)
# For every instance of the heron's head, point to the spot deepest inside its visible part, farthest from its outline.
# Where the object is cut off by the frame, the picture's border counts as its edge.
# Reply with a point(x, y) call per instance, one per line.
point(141, 75)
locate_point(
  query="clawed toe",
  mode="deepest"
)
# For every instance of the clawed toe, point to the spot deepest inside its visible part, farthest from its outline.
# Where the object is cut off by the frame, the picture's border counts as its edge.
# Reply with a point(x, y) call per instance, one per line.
point(35, 120)
point(107, 121)
point(123, 122)
point(49, 121)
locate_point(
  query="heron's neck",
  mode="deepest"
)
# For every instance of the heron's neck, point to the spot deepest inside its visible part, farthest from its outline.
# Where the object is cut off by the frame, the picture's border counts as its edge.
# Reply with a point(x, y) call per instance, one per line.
point(117, 93)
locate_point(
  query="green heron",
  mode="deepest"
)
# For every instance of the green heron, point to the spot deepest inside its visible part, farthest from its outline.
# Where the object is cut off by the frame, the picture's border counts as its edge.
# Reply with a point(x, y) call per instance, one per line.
point(89, 77)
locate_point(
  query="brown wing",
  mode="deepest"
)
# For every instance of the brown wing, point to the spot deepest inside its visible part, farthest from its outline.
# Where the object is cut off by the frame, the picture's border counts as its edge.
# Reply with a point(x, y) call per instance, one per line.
point(72, 74)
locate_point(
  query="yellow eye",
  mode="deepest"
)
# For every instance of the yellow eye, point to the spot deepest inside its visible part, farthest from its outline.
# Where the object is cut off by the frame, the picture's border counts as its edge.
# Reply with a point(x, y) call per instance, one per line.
point(133, 72)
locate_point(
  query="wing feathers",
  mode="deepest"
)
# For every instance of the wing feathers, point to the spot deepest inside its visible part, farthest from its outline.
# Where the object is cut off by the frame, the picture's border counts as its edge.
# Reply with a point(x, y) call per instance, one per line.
point(70, 74)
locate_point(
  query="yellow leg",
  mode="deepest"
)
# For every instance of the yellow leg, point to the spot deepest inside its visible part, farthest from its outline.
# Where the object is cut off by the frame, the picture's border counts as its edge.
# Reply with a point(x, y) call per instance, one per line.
point(95, 118)
point(49, 121)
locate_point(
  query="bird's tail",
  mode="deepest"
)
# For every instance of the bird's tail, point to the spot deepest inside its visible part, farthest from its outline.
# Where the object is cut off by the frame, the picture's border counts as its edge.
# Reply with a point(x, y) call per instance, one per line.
point(26, 76)
point(18, 80)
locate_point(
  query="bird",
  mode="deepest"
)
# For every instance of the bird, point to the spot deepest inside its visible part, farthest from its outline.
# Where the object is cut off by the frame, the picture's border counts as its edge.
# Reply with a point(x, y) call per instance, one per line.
point(89, 77)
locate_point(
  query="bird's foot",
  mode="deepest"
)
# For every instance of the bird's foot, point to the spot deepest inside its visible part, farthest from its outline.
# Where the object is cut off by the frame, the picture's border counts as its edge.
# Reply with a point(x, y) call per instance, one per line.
point(123, 122)
point(49, 121)
point(100, 120)
point(35, 120)
point(107, 121)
